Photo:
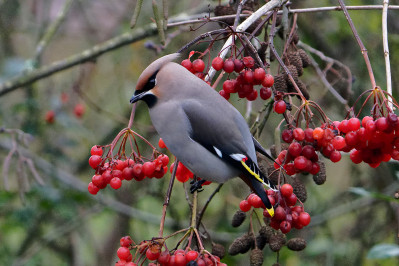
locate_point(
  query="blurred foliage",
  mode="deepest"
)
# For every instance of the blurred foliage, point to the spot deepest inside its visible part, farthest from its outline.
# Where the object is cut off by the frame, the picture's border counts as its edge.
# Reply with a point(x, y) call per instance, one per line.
point(61, 224)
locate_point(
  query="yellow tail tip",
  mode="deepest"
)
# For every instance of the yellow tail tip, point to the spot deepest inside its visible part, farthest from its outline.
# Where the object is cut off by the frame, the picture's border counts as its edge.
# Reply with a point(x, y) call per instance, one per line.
point(270, 211)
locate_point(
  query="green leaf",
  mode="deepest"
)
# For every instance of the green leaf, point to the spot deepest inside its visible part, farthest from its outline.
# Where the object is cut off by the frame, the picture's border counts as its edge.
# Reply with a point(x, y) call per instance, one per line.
point(383, 251)
point(364, 193)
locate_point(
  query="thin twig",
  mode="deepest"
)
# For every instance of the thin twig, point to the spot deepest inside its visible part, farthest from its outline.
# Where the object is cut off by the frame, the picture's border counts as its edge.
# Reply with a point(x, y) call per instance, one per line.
point(242, 27)
point(360, 43)
point(201, 213)
point(167, 198)
point(136, 13)
point(386, 49)
point(50, 32)
point(237, 18)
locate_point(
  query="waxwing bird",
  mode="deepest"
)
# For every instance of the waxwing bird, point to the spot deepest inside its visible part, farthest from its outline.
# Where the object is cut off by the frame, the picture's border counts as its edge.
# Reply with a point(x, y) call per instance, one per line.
point(203, 130)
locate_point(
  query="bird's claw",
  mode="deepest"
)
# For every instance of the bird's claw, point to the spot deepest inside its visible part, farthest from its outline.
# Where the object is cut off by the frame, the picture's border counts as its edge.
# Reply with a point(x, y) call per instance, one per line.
point(197, 186)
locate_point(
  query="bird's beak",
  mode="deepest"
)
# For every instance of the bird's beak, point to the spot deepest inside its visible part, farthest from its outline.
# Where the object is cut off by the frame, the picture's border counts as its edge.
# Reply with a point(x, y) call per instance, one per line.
point(137, 96)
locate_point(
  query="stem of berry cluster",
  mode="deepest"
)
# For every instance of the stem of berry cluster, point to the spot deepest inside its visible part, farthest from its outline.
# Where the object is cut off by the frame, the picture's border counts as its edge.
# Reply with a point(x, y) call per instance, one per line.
point(360, 43)
point(167, 198)
point(132, 115)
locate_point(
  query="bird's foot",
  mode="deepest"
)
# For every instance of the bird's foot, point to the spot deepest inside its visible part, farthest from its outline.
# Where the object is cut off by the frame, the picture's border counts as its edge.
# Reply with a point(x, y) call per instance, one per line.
point(197, 185)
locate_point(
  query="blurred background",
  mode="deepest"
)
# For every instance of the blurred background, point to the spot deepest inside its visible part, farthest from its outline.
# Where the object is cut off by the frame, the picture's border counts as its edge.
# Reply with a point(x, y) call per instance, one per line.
point(47, 216)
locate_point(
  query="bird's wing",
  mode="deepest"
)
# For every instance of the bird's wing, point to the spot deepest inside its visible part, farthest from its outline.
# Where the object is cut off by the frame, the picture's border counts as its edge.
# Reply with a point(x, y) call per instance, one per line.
point(224, 136)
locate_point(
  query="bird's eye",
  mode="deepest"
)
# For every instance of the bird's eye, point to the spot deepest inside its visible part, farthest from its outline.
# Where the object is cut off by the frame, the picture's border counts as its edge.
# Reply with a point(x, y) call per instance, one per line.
point(152, 81)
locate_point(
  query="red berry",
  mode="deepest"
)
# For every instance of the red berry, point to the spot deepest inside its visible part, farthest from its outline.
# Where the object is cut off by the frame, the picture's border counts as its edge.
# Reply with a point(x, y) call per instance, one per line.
point(115, 183)
point(365, 120)
point(97, 180)
point(164, 258)
point(180, 260)
point(291, 200)
point(138, 172)
point(343, 126)
point(259, 74)
point(285, 227)
point(286, 190)
point(123, 253)
point(381, 124)
point(355, 156)
point(253, 95)
point(79, 110)
point(125, 241)
point(280, 106)
point(92, 189)
point(287, 136)
point(217, 63)
point(300, 162)
point(117, 173)
point(339, 143)
point(96, 150)
point(308, 151)
point(228, 86)
point(265, 93)
point(249, 76)
point(191, 255)
point(94, 161)
point(279, 214)
point(50, 117)
point(228, 66)
point(224, 94)
point(248, 61)
point(309, 134)
point(245, 206)
point(152, 256)
point(315, 169)
point(295, 149)
point(161, 143)
point(187, 64)
point(268, 81)
point(335, 156)
point(304, 218)
point(120, 165)
point(353, 124)
point(255, 201)
point(318, 133)
point(128, 173)
point(148, 169)
point(299, 134)
point(238, 65)
point(198, 65)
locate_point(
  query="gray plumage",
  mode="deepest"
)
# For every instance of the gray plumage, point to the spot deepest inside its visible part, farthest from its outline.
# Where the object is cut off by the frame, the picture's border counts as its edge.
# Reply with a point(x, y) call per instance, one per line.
point(203, 130)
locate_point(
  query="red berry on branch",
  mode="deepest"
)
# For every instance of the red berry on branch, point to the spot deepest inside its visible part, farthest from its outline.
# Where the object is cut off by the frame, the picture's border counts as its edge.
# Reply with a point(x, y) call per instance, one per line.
point(238, 65)
point(255, 201)
point(128, 173)
point(259, 74)
point(217, 63)
point(228, 86)
point(92, 188)
point(318, 133)
point(245, 206)
point(279, 214)
point(285, 227)
point(96, 150)
point(295, 149)
point(287, 136)
point(253, 95)
point(198, 65)
point(148, 169)
point(187, 64)
point(248, 61)
point(304, 218)
point(79, 110)
point(95, 161)
point(335, 156)
point(280, 106)
point(125, 241)
point(161, 143)
point(120, 165)
point(299, 134)
point(152, 255)
point(224, 94)
point(300, 162)
point(268, 81)
point(228, 66)
point(123, 253)
point(381, 124)
point(265, 93)
point(115, 183)
point(286, 190)
point(164, 258)
point(50, 117)
point(191, 256)
point(353, 124)
point(339, 143)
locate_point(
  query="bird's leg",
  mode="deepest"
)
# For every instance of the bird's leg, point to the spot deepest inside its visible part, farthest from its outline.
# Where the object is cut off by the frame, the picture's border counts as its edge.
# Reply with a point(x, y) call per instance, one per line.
point(196, 185)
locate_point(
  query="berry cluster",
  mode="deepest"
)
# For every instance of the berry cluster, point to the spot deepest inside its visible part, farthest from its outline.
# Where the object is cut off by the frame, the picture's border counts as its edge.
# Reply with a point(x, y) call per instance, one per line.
point(152, 250)
point(182, 257)
point(286, 215)
point(243, 84)
point(114, 171)
point(371, 141)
